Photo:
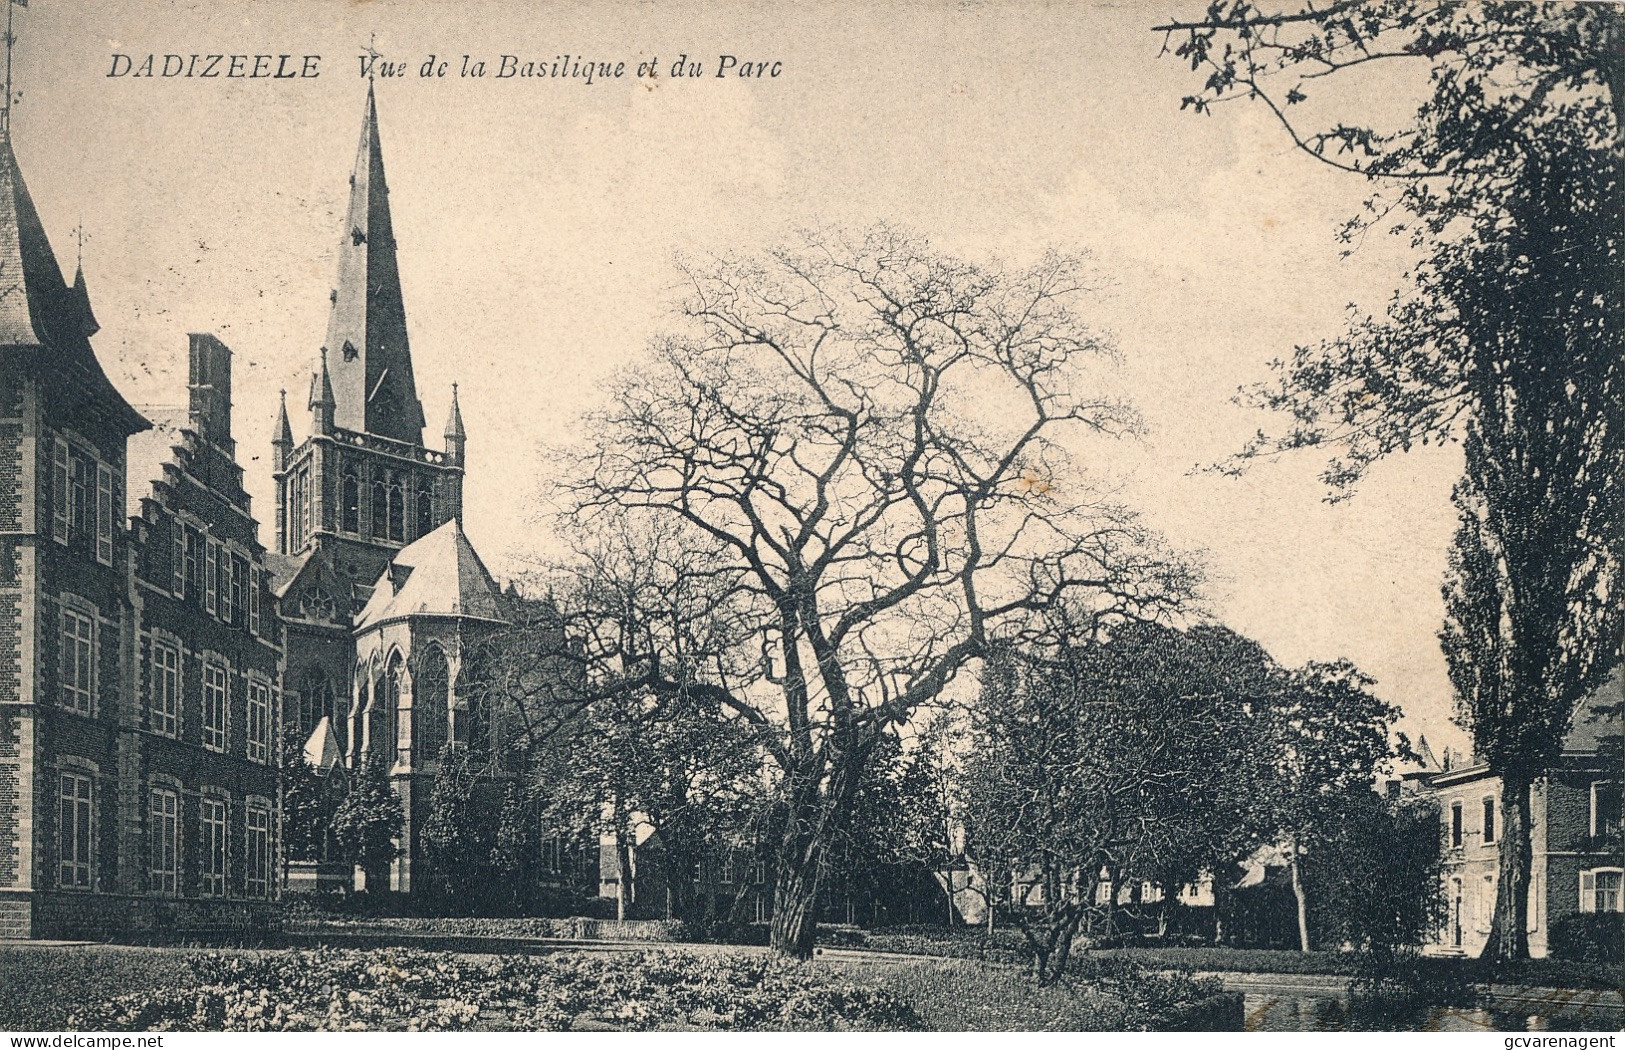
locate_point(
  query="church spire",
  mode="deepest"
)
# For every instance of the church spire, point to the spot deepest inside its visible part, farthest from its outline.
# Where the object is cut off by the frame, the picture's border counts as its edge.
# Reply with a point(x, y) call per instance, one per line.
point(455, 436)
point(282, 442)
point(321, 399)
point(373, 387)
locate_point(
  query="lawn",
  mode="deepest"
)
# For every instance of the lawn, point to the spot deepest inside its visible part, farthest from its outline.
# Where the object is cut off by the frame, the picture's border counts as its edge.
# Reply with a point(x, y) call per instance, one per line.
point(104, 987)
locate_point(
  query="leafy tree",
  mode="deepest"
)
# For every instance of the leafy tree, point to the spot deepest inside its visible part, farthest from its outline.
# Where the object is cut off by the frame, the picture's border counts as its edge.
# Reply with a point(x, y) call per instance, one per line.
point(1376, 875)
point(309, 800)
point(806, 442)
point(1504, 337)
point(368, 823)
point(459, 832)
point(1135, 758)
point(1330, 736)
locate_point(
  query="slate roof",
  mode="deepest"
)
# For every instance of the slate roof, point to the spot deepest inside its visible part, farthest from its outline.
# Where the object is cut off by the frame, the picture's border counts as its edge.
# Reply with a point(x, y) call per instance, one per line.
point(438, 575)
point(367, 349)
point(40, 309)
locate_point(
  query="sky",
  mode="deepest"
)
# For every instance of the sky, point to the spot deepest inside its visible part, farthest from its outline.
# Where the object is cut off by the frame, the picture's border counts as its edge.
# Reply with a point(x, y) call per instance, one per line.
point(538, 218)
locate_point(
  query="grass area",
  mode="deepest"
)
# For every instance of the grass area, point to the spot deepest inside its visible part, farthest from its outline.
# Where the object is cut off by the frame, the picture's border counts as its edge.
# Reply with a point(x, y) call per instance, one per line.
point(403, 989)
point(41, 987)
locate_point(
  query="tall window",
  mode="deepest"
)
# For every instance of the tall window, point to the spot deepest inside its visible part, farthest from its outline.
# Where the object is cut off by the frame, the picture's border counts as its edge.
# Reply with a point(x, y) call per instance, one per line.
point(164, 839)
point(177, 563)
point(1455, 823)
point(397, 512)
point(259, 722)
point(380, 509)
point(78, 661)
point(258, 867)
point(78, 492)
point(194, 561)
point(1605, 809)
point(1489, 820)
point(214, 707)
point(212, 598)
point(164, 691)
point(104, 514)
point(429, 696)
point(350, 502)
point(425, 509)
point(394, 696)
point(74, 830)
point(254, 599)
point(1600, 890)
point(214, 845)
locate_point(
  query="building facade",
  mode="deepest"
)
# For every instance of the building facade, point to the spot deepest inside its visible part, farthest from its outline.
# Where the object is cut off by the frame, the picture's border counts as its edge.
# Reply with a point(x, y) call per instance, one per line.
point(155, 655)
point(1575, 833)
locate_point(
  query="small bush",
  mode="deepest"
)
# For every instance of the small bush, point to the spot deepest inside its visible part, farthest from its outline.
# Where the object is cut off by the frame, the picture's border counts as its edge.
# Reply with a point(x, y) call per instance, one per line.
point(1590, 938)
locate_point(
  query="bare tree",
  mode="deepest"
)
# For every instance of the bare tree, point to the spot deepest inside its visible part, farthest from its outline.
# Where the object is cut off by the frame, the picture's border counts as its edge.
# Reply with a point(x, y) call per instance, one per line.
point(857, 444)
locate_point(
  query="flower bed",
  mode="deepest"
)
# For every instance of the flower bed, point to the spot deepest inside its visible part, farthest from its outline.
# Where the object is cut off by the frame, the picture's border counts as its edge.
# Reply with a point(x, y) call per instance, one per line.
point(576, 928)
point(404, 990)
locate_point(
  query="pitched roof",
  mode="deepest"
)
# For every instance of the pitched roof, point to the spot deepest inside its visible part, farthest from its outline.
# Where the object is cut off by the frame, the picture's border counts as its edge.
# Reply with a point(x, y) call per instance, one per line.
point(438, 575)
point(368, 354)
point(40, 309)
point(322, 751)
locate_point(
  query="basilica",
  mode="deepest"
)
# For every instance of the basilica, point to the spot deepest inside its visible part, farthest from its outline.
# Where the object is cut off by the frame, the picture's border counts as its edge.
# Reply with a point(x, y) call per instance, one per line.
point(156, 650)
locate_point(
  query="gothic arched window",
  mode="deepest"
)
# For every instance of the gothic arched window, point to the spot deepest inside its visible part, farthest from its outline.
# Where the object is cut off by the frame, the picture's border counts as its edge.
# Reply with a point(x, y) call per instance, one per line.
point(380, 508)
point(393, 695)
point(397, 512)
point(429, 696)
point(350, 501)
point(425, 510)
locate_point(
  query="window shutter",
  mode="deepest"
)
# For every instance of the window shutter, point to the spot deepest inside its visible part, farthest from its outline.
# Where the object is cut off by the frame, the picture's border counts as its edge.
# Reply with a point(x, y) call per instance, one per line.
point(177, 532)
point(1588, 891)
point(228, 574)
point(254, 599)
point(104, 513)
point(212, 570)
point(59, 493)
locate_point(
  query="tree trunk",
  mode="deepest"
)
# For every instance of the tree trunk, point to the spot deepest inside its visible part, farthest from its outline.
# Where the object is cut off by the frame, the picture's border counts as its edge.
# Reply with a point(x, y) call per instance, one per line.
point(1509, 930)
point(623, 882)
point(795, 899)
point(1303, 901)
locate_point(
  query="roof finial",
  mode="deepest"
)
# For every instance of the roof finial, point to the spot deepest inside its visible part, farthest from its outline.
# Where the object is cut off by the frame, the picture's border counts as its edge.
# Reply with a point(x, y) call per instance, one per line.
point(373, 53)
point(11, 38)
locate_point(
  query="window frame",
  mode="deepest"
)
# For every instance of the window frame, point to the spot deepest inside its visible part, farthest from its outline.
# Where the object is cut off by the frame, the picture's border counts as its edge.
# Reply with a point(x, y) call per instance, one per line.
point(70, 695)
point(1457, 822)
point(259, 721)
point(164, 722)
point(214, 843)
point(1590, 899)
point(216, 737)
point(164, 882)
point(1489, 820)
point(83, 841)
point(1595, 830)
point(257, 862)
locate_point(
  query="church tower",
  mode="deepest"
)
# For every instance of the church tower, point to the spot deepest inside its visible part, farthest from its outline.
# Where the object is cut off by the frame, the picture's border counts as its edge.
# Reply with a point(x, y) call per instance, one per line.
point(362, 485)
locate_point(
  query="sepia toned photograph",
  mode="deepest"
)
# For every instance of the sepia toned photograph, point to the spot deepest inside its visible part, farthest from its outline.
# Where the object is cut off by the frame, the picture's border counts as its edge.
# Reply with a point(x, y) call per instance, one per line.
point(914, 516)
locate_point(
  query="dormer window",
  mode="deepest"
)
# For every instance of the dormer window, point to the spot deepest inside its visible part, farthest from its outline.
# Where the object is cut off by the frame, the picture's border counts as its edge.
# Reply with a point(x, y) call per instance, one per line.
point(350, 352)
point(356, 236)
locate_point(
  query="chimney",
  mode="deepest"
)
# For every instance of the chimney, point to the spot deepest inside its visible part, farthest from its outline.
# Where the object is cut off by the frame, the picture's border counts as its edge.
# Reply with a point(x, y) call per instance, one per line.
point(210, 385)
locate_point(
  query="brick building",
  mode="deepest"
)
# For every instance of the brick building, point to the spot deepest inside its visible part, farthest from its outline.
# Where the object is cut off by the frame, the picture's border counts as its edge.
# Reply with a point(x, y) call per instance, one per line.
point(153, 651)
point(1575, 832)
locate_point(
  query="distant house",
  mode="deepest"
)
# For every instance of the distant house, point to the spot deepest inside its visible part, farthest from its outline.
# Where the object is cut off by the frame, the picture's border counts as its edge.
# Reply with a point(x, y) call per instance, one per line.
point(1577, 864)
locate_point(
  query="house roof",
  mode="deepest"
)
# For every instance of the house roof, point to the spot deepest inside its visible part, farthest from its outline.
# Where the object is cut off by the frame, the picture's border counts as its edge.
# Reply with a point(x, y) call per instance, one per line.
point(40, 309)
point(322, 750)
point(438, 575)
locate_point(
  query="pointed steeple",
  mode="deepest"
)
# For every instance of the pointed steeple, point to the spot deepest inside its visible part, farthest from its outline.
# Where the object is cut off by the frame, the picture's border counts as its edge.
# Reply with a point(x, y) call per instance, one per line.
point(321, 398)
point(372, 366)
point(282, 442)
point(455, 436)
